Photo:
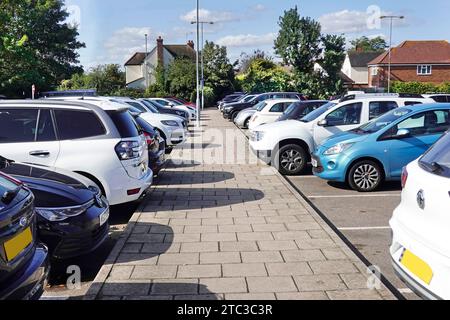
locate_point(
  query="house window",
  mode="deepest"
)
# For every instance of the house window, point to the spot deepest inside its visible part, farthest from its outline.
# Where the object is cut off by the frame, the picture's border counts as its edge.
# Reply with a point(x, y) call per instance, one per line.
point(374, 71)
point(424, 70)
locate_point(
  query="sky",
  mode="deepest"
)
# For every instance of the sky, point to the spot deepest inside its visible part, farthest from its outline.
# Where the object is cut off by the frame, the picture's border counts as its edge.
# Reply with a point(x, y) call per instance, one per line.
point(115, 29)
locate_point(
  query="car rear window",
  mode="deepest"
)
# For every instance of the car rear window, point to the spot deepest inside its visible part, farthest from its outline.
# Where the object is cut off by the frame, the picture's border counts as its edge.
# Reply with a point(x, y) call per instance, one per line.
point(147, 127)
point(77, 124)
point(437, 158)
point(125, 123)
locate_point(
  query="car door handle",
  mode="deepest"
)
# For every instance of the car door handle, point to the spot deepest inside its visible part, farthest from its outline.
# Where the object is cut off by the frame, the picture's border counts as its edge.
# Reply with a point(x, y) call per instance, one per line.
point(40, 153)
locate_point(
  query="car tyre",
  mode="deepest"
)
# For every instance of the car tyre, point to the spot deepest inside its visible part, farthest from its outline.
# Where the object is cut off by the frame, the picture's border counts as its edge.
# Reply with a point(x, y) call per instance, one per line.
point(291, 159)
point(233, 116)
point(246, 123)
point(365, 176)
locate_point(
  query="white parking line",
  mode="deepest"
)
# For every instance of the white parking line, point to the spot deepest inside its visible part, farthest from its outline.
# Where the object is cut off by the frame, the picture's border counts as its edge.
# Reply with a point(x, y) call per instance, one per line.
point(405, 290)
point(357, 195)
point(364, 228)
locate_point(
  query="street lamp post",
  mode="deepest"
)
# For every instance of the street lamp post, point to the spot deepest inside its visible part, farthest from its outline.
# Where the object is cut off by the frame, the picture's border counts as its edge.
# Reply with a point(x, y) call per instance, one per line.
point(202, 23)
point(197, 66)
point(391, 18)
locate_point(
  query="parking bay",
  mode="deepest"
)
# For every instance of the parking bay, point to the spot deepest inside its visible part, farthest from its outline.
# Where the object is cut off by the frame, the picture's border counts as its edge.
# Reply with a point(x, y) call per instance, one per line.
point(363, 218)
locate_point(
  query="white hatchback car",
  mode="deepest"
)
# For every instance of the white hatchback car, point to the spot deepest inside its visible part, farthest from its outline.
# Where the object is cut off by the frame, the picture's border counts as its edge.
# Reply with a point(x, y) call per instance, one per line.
point(99, 140)
point(287, 145)
point(269, 111)
point(420, 247)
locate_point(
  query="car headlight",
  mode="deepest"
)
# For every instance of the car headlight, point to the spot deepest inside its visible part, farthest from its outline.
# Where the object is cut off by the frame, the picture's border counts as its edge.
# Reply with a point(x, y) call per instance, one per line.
point(259, 135)
point(170, 123)
point(61, 214)
point(339, 148)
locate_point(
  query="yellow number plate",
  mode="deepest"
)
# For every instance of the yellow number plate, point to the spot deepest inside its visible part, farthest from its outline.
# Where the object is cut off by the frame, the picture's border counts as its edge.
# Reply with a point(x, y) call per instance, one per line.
point(17, 244)
point(417, 266)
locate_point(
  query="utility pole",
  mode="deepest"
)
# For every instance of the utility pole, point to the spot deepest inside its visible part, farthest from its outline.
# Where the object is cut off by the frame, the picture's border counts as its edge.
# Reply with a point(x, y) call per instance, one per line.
point(145, 61)
point(391, 18)
point(202, 23)
point(197, 63)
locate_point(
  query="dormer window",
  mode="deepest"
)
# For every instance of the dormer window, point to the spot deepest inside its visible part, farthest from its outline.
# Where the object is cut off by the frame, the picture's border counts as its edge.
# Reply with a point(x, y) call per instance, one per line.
point(424, 70)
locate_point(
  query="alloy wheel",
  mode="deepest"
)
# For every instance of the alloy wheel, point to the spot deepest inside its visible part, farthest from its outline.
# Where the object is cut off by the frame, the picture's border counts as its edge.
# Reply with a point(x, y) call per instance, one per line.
point(291, 160)
point(366, 176)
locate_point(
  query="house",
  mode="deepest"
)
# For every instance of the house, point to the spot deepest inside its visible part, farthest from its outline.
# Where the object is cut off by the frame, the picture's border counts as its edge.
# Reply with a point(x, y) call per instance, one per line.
point(355, 67)
point(421, 61)
point(140, 68)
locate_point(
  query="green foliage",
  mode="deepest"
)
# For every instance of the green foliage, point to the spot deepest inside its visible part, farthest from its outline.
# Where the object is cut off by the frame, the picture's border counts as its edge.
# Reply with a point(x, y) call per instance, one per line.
point(181, 78)
point(245, 61)
point(298, 41)
point(104, 78)
point(210, 97)
point(128, 92)
point(420, 87)
point(301, 45)
point(37, 46)
point(219, 73)
point(366, 44)
point(264, 75)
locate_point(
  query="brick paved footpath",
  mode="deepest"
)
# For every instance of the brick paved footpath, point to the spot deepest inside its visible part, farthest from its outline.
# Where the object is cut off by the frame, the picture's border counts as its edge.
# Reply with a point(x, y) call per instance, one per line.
point(228, 231)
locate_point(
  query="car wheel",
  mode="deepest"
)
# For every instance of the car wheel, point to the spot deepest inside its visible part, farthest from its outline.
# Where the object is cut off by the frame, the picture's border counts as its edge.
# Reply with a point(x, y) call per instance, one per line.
point(246, 123)
point(291, 159)
point(365, 176)
point(233, 116)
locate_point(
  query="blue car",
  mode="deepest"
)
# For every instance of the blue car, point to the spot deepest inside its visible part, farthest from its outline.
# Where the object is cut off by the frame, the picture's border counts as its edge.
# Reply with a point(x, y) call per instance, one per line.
point(378, 151)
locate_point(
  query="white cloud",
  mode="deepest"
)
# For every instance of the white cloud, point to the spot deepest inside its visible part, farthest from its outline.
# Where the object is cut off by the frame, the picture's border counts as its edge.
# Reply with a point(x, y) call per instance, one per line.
point(352, 21)
point(207, 15)
point(259, 7)
point(247, 40)
point(124, 42)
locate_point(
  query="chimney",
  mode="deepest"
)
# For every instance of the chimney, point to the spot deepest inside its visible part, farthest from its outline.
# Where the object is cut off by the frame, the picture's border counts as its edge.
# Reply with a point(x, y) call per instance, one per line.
point(191, 44)
point(160, 51)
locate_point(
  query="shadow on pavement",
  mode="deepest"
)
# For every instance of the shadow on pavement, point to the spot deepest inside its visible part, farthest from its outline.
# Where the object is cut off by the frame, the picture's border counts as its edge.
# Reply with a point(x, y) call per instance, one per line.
point(193, 177)
point(185, 164)
point(386, 186)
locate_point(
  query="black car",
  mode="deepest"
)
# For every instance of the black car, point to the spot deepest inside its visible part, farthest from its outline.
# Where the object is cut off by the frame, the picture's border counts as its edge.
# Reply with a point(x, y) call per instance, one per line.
point(230, 111)
point(156, 145)
point(231, 98)
point(164, 110)
point(298, 110)
point(72, 215)
point(24, 263)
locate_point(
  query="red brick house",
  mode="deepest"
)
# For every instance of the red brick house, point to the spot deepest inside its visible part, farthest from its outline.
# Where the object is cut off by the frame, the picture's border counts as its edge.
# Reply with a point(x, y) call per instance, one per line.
point(422, 61)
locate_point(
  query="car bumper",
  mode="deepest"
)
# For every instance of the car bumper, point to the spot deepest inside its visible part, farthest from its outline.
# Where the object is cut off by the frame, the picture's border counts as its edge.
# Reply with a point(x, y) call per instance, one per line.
point(404, 239)
point(240, 121)
point(331, 168)
point(31, 281)
point(76, 236)
point(120, 183)
point(176, 136)
point(264, 155)
point(157, 160)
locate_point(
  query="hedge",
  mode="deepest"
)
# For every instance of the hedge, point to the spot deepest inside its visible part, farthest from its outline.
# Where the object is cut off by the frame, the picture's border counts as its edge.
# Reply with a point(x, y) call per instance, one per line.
point(420, 87)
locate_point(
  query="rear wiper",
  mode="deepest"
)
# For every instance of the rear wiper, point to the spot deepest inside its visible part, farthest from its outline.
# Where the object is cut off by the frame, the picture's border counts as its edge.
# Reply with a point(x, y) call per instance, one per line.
point(436, 167)
point(9, 196)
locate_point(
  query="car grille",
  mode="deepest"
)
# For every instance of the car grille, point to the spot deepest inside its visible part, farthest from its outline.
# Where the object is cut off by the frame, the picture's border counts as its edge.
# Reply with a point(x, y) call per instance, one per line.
point(76, 244)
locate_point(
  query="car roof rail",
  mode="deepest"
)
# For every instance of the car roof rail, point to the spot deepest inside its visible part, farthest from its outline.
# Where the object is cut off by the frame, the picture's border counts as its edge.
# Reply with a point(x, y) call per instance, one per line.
point(380, 95)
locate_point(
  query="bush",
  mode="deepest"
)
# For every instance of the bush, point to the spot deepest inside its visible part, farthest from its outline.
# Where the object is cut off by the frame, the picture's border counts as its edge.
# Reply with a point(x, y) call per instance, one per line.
point(210, 97)
point(420, 87)
point(127, 92)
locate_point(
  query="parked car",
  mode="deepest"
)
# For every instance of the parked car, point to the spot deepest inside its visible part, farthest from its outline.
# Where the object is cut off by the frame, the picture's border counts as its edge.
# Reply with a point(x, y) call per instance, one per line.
point(156, 144)
point(420, 224)
point(182, 101)
point(298, 110)
point(377, 151)
point(231, 98)
point(242, 120)
point(72, 214)
point(269, 111)
point(164, 110)
point(287, 145)
point(230, 111)
point(177, 105)
point(97, 139)
point(24, 263)
point(439, 97)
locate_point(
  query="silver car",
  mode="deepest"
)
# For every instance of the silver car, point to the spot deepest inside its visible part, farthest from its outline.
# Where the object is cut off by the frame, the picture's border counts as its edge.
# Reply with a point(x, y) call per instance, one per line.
point(243, 118)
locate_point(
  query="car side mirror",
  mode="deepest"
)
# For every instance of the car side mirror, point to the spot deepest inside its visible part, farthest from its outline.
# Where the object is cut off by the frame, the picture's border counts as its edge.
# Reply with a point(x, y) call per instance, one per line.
point(323, 123)
point(402, 133)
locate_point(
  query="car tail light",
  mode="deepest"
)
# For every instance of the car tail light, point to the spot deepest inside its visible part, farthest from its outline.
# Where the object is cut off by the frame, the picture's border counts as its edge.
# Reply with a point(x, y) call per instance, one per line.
point(404, 176)
point(127, 150)
point(132, 192)
point(148, 138)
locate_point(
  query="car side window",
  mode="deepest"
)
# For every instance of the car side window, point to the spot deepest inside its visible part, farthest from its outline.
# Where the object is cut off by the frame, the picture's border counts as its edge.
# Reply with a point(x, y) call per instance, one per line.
point(163, 102)
point(440, 99)
point(279, 107)
point(349, 114)
point(76, 124)
point(378, 108)
point(412, 103)
point(18, 125)
point(45, 129)
point(430, 122)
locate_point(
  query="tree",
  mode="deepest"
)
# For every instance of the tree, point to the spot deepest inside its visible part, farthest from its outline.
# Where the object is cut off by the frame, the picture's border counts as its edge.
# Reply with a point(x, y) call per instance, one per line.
point(37, 46)
point(365, 44)
point(104, 78)
point(245, 60)
point(181, 78)
point(219, 73)
point(298, 41)
point(301, 45)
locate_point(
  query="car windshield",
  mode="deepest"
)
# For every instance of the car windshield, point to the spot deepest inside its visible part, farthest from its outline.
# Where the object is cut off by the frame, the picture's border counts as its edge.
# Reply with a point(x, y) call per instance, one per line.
point(136, 105)
point(175, 102)
point(247, 99)
point(383, 121)
point(150, 106)
point(437, 159)
point(318, 112)
point(260, 106)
